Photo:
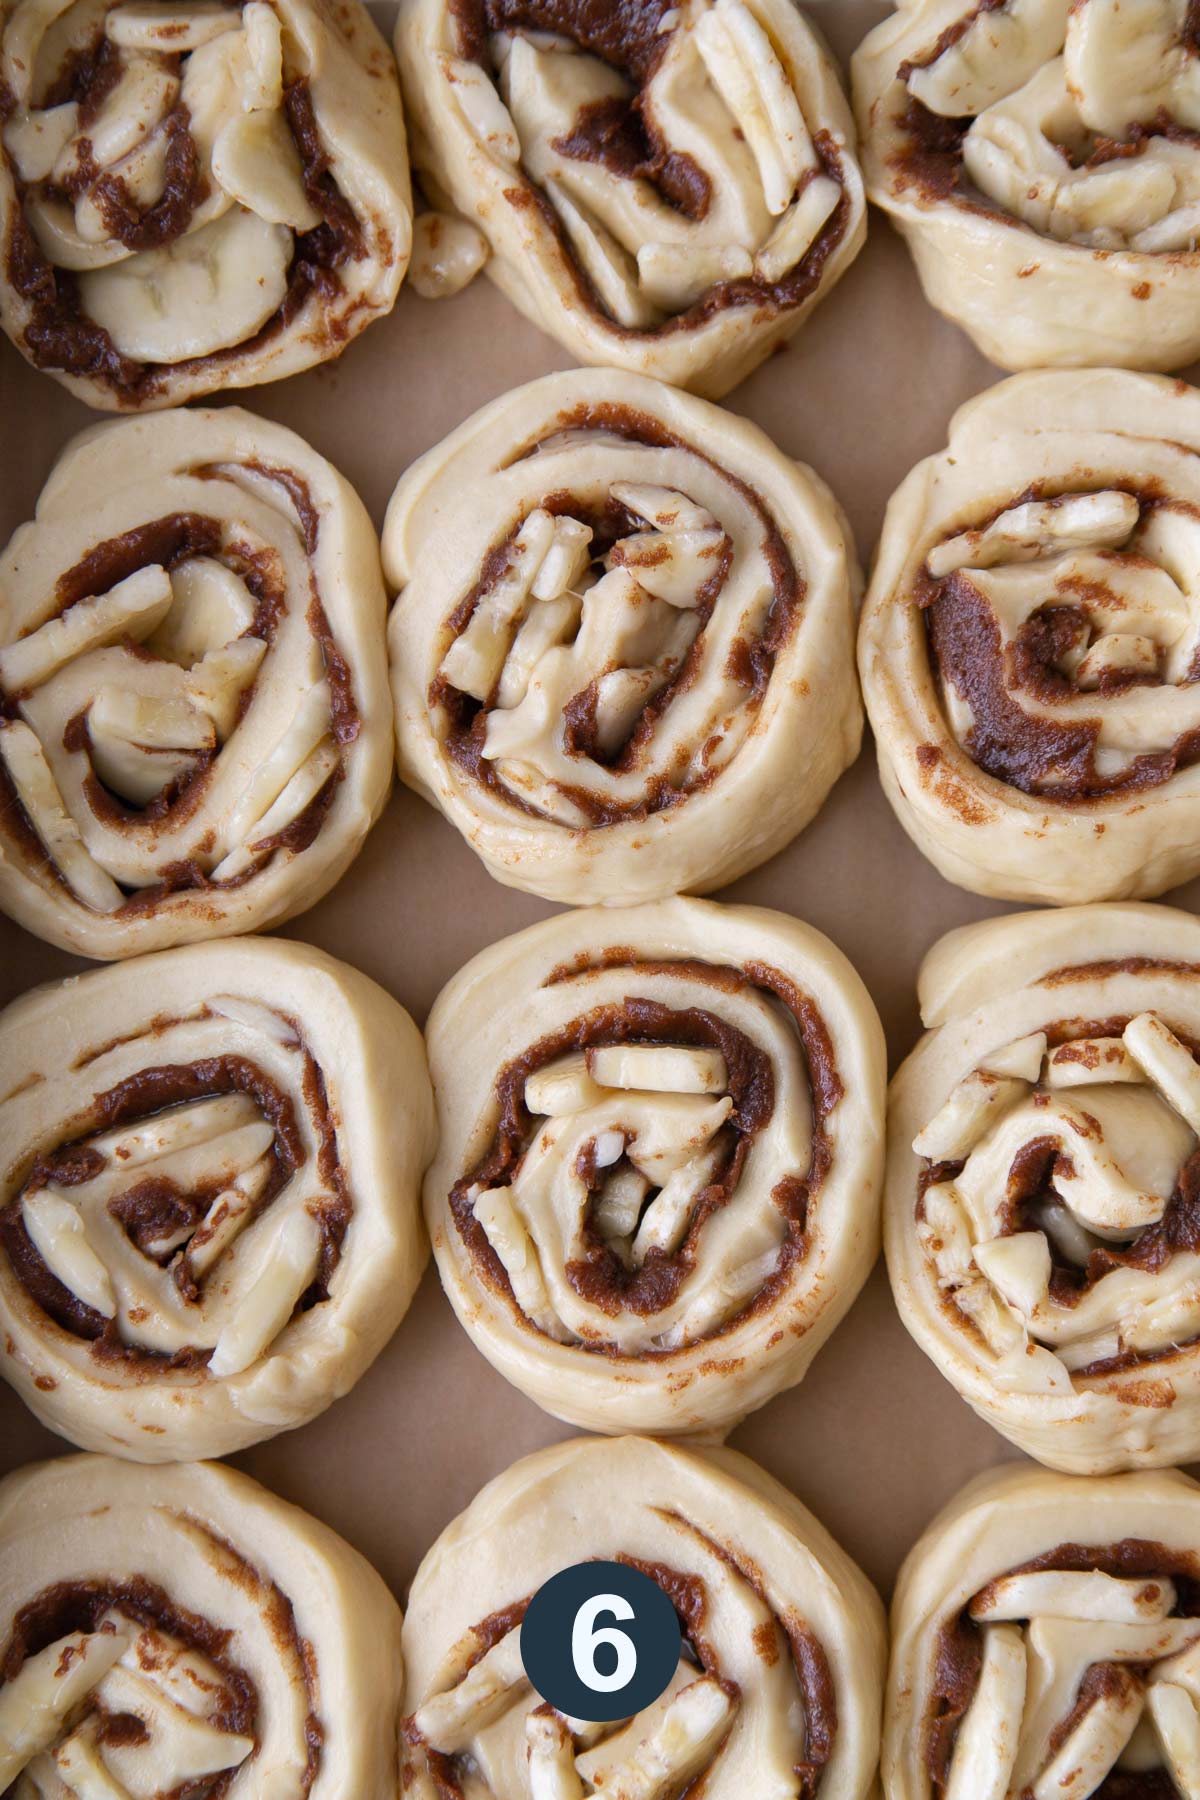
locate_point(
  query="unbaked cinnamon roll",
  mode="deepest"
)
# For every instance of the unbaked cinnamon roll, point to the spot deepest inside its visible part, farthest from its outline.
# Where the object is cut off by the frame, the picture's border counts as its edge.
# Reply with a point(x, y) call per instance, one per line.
point(669, 188)
point(1042, 1214)
point(185, 1632)
point(622, 648)
point(209, 1212)
point(195, 724)
point(655, 1194)
point(1042, 157)
point(1030, 644)
point(195, 195)
point(1046, 1644)
point(778, 1683)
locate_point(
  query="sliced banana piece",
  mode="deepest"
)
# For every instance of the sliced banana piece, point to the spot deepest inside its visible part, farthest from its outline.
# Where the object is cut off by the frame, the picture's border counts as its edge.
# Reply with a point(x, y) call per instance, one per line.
point(157, 25)
point(142, 96)
point(997, 54)
point(663, 1069)
point(130, 608)
point(206, 292)
point(676, 276)
point(36, 140)
point(48, 1688)
point(262, 85)
point(58, 237)
point(746, 72)
point(256, 161)
point(482, 109)
point(211, 606)
point(57, 831)
point(59, 1235)
point(289, 1269)
point(562, 1087)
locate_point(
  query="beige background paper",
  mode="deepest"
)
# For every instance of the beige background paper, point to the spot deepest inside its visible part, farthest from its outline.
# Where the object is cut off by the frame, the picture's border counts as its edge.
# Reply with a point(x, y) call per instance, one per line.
point(874, 1440)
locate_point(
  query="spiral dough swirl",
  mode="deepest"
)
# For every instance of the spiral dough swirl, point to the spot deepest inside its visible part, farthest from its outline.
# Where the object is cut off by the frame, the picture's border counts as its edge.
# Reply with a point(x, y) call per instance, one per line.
point(1043, 1191)
point(778, 1684)
point(1042, 157)
point(1030, 645)
point(197, 195)
point(209, 1220)
point(194, 715)
point(620, 651)
point(655, 1192)
point(1046, 1643)
point(666, 188)
point(182, 1631)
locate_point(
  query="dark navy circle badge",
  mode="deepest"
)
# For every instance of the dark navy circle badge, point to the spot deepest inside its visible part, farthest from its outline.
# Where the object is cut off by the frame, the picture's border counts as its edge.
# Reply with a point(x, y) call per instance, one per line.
point(600, 1641)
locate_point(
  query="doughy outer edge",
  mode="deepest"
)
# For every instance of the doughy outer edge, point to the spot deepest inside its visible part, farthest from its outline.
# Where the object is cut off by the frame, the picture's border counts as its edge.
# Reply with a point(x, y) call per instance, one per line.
point(346, 568)
point(756, 804)
point(981, 833)
point(372, 1058)
point(1003, 1518)
point(979, 991)
point(706, 1388)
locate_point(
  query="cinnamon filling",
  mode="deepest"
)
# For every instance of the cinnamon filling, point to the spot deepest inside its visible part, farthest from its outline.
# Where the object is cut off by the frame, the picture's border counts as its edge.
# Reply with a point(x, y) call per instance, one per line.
point(689, 1596)
point(464, 719)
point(150, 1207)
point(170, 541)
point(632, 36)
point(81, 1606)
point(958, 1655)
point(1031, 751)
point(61, 337)
point(601, 1278)
point(1030, 1190)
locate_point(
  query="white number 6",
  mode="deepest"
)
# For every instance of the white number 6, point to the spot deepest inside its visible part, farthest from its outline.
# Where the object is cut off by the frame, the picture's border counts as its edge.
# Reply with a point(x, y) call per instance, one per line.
point(585, 1639)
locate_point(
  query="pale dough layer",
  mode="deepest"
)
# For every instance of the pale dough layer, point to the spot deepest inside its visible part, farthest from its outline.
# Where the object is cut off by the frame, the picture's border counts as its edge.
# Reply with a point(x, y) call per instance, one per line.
point(656, 1201)
point(621, 644)
point(1087, 1665)
point(691, 266)
point(763, 1566)
point(191, 640)
point(279, 1101)
point(260, 1653)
